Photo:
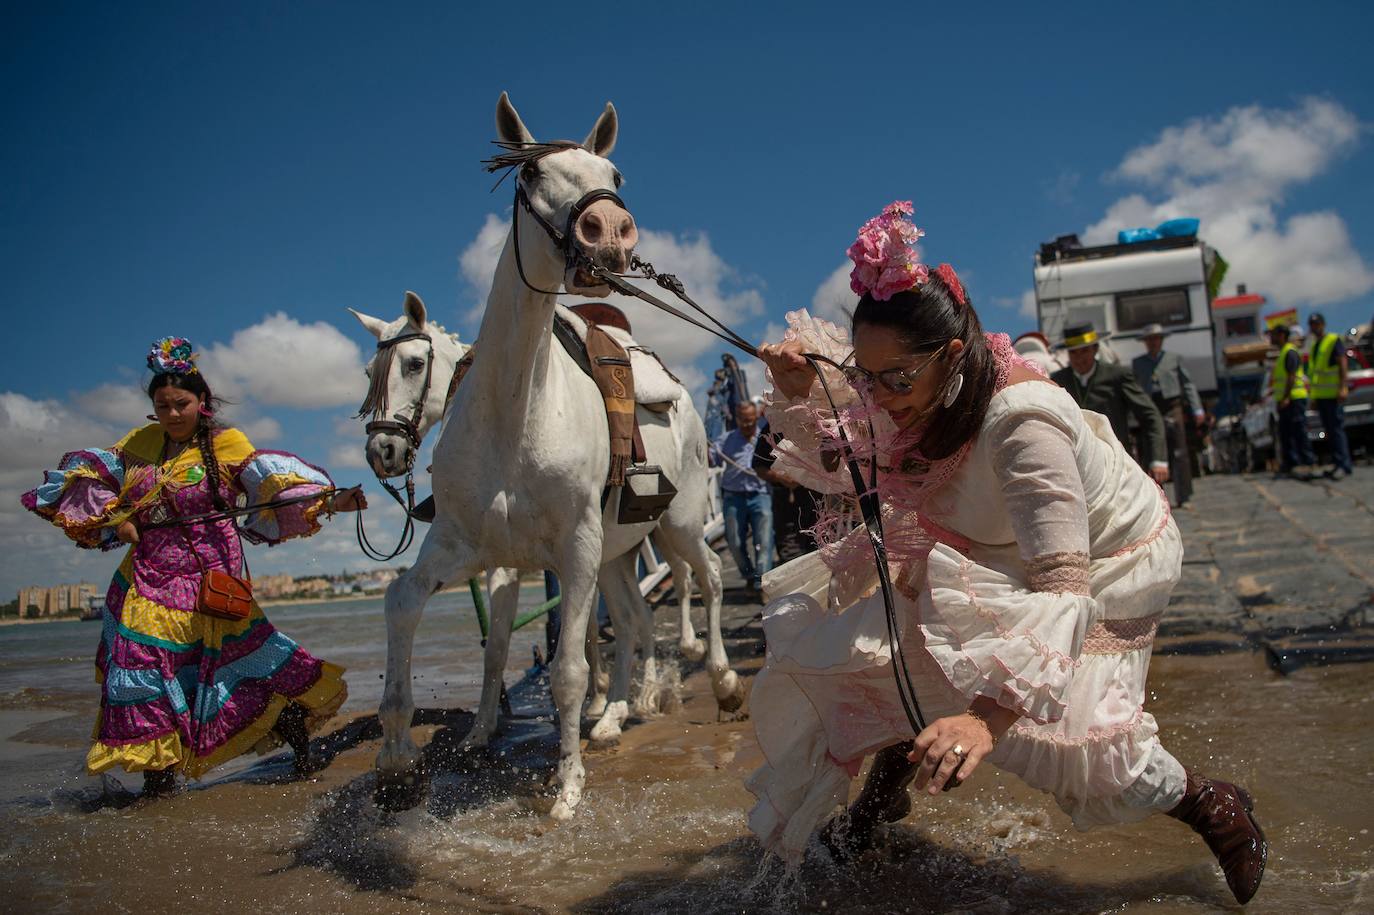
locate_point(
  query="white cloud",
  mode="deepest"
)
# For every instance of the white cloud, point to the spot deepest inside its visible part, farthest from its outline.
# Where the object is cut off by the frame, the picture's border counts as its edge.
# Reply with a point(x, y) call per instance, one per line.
point(123, 404)
point(282, 362)
point(834, 300)
point(34, 434)
point(1027, 307)
point(261, 430)
point(1233, 172)
point(352, 455)
point(479, 259)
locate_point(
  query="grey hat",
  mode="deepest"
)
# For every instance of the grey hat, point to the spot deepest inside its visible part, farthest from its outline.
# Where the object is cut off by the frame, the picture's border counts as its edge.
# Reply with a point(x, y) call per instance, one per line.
point(1152, 330)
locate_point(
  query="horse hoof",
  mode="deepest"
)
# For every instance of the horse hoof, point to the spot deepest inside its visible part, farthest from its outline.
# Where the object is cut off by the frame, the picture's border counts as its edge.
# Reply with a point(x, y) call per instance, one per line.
point(601, 745)
point(562, 811)
point(693, 651)
point(400, 791)
point(734, 700)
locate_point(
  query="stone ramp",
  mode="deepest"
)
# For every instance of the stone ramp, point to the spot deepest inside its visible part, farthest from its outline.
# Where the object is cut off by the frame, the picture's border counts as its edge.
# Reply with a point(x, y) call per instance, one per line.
point(1278, 565)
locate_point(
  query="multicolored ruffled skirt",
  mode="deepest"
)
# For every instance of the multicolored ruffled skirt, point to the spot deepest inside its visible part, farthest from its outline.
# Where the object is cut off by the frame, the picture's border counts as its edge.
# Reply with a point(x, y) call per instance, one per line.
point(189, 691)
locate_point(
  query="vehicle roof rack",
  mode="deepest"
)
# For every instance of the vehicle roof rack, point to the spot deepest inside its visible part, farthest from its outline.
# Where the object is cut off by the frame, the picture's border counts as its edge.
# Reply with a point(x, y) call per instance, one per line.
point(1067, 248)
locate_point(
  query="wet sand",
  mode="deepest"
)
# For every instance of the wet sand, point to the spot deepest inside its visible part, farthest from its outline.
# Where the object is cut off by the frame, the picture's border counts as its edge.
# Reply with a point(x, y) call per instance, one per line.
point(662, 826)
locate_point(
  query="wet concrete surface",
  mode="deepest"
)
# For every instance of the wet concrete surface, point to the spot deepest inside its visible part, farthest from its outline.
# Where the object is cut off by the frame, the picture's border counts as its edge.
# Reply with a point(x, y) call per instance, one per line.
point(1276, 565)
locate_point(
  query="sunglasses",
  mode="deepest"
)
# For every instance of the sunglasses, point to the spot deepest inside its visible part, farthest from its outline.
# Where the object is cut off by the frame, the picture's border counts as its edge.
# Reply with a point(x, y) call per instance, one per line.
point(898, 381)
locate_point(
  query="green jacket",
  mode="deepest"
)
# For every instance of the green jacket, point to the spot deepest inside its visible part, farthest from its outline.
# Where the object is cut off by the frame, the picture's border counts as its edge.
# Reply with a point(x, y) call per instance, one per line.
point(1114, 392)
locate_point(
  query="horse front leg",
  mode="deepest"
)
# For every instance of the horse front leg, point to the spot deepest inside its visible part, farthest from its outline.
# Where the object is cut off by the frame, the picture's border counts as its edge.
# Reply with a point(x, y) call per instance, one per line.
point(577, 572)
point(504, 587)
point(400, 775)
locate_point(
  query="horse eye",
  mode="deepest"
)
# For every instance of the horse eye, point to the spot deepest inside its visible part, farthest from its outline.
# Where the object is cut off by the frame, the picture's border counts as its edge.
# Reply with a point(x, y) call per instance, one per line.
point(618, 178)
point(415, 365)
point(528, 172)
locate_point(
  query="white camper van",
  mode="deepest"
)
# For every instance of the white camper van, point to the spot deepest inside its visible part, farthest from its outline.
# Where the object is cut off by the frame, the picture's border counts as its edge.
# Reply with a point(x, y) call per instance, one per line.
point(1122, 288)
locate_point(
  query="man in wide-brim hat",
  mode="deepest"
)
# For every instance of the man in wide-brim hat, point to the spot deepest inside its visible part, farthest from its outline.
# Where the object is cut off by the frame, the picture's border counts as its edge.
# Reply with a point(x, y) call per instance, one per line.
point(1163, 376)
point(1113, 391)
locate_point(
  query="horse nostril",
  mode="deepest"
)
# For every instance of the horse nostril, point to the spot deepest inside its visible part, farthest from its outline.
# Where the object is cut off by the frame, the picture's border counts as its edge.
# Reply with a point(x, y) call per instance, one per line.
point(388, 452)
point(628, 231)
point(593, 226)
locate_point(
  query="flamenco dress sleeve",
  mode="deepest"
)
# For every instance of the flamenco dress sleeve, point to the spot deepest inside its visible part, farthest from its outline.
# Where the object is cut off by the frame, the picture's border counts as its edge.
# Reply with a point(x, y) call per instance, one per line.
point(1015, 635)
point(808, 448)
point(82, 496)
point(277, 476)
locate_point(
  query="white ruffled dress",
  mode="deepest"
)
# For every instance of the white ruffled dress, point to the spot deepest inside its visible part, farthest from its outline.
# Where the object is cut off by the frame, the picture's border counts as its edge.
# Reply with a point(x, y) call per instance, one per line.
point(1049, 605)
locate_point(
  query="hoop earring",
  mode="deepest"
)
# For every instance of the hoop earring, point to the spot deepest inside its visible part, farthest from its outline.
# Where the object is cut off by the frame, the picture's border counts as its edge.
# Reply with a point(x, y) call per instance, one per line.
point(205, 411)
point(152, 416)
point(955, 387)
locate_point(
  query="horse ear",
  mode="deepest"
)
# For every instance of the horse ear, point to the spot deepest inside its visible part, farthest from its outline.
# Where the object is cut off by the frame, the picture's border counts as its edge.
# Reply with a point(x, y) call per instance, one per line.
point(374, 326)
point(602, 138)
point(415, 310)
point(509, 127)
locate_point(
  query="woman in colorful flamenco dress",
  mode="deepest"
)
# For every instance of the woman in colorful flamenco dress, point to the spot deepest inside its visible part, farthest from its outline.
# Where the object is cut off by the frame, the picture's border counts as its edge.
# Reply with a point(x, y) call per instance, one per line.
point(184, 691)
point(1031, 560)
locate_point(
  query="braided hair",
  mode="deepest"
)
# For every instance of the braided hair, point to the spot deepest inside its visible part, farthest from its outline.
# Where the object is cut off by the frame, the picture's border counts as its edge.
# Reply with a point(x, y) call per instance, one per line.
point(195, 383)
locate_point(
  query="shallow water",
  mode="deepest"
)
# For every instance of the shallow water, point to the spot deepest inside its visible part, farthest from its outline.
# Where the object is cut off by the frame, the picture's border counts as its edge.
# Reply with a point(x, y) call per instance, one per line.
point(661, 828)
point(48, 695)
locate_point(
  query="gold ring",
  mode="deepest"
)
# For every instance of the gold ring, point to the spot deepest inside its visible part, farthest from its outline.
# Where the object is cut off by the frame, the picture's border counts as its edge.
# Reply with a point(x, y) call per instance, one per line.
point(959, 750)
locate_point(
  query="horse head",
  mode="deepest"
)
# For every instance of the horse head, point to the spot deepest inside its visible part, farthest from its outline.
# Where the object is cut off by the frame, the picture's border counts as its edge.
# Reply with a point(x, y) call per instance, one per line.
point(408, 391)
point(569, 191)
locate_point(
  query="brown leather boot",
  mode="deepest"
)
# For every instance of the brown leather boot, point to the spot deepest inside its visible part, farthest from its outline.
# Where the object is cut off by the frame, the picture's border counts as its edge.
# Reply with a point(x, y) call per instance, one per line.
point(290, 727)
point(1221, 813)
point(883, 800)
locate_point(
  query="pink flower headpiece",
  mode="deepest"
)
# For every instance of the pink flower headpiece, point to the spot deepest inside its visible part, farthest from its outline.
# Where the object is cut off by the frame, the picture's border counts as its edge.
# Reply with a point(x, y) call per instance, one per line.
point(885, 260)
point(172, 356)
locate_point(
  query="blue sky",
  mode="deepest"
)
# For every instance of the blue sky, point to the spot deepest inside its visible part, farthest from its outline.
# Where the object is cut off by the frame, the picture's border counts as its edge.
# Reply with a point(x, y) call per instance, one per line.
point(198, 169)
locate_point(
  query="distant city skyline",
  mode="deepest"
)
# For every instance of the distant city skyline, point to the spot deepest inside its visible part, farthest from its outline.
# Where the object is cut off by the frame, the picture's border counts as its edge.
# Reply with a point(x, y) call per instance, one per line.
point(241, 174)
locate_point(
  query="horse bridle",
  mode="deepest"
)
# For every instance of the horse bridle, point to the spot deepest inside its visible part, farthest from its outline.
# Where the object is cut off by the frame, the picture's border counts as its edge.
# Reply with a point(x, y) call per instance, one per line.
point(399, 424)
point(562, 240)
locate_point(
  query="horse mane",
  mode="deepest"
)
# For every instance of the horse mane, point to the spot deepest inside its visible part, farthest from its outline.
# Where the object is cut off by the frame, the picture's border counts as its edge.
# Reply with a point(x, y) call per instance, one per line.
point(519, 154)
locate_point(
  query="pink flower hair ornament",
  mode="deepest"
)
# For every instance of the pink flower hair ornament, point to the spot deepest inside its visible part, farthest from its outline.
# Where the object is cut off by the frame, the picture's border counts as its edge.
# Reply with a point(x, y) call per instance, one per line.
point(885, 258)
point(172, 356)
point(951, 280)
point(884, 254)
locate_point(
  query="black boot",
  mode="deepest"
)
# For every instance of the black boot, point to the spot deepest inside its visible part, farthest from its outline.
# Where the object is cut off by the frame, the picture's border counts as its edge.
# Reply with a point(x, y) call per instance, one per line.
point(883, 800)
point(1222, 814)
point(159, 783)
point(290, 727)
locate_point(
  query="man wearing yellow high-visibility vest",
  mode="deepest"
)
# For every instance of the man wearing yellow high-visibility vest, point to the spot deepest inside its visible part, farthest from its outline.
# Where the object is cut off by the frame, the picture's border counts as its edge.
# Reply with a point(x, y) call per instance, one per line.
point(1328, 371)
point(1288, 387)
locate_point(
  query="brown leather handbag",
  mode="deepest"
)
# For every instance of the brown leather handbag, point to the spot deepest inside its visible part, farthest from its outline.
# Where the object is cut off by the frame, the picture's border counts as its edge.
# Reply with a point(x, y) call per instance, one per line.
point(225, 596)
point(222, 595)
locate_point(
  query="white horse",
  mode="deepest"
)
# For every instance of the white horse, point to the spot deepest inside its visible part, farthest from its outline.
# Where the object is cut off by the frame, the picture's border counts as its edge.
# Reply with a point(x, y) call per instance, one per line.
point(420, 372)
point(520, 468)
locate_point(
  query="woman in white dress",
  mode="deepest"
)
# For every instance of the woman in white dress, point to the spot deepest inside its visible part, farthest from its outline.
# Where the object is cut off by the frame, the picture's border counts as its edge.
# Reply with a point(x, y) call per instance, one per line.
point(1032, 559)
